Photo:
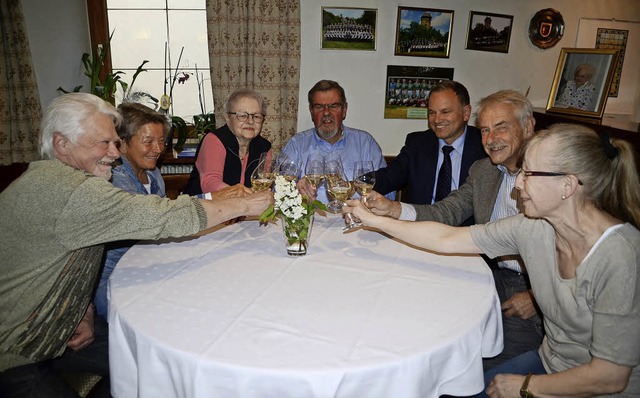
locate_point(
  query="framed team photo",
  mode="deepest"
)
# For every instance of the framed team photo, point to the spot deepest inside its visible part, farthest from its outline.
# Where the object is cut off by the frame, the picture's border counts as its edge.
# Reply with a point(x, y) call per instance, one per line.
point(348, 28)
point(407, 90)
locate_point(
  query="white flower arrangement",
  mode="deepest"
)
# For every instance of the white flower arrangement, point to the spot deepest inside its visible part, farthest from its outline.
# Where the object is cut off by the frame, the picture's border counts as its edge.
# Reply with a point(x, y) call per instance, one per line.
point(295, 209)
point(288, 199)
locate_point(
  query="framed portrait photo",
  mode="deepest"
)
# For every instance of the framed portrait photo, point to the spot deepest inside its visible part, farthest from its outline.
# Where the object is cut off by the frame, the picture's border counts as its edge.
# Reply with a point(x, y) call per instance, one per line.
point(348, 28)
point(582, 81)
point(489, 32)
point(423, 32)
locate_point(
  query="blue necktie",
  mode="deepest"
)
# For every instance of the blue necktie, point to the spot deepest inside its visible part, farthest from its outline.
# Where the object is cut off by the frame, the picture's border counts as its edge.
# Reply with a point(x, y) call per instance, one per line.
point(443, 187)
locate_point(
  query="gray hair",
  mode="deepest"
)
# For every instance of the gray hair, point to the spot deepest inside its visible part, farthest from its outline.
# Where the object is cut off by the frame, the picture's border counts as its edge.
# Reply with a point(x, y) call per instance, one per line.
point(326, 85)
point(523, 109)
point(71, 115)
point(590, 69)
point(605, 166)
point(245, 93)
point(135, 116)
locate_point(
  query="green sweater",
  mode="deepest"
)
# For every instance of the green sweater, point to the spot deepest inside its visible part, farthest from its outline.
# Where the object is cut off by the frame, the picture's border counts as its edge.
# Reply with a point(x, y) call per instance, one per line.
point(55, 220)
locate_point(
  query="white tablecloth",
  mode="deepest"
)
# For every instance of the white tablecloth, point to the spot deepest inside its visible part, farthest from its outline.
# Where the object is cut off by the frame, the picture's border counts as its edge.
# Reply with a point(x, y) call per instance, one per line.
point(230, 315)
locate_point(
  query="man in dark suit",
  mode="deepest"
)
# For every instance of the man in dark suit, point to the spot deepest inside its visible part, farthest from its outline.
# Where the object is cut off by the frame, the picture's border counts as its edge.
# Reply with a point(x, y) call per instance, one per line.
point(506, 121)
point(419, 163)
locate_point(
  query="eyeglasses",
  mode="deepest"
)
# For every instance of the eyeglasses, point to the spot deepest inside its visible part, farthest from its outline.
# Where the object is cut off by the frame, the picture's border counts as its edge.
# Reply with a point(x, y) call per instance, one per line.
point(528, 173)
point(243, 116)
point(332, 107)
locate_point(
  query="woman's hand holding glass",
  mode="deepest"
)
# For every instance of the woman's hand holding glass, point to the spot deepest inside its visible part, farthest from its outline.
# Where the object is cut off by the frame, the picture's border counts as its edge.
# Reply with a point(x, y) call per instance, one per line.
point(357, 210)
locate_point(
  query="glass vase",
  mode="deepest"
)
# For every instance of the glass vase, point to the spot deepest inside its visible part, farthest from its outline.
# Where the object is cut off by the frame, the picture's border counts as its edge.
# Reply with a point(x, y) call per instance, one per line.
point(297, 235)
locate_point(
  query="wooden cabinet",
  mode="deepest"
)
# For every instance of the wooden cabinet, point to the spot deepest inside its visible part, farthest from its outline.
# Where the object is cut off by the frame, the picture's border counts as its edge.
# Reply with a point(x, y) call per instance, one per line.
point(175, 172)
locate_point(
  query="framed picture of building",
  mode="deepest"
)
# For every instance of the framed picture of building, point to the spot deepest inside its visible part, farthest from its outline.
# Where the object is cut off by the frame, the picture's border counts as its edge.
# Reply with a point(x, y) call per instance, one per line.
point(348, 28)
point(582, 81)
point(489, 32)
point(407, 90)
point(423, 32)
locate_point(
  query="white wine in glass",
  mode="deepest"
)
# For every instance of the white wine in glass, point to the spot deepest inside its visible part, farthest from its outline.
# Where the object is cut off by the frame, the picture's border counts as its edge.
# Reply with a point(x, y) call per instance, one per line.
point(263, 176)
point(315, 179)
point(364, 177)
point(314, 169)
point(261, 184)
point(333, 173)
point(341, 190)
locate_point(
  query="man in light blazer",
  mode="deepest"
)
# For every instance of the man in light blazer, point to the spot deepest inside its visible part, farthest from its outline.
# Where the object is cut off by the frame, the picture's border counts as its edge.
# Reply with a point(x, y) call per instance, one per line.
point(418, 164)
point(506, 122)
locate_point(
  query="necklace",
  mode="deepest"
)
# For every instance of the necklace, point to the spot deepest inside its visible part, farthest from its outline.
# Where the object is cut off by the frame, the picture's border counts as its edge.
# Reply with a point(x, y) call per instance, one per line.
point(234, 153)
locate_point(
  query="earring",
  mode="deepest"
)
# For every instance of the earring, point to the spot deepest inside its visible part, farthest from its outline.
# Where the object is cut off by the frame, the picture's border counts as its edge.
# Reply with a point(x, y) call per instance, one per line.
point(563, 197)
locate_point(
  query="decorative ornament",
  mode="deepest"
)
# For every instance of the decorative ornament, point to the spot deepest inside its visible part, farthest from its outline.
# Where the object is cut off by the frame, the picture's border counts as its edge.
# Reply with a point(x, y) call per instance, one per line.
point(546, 28)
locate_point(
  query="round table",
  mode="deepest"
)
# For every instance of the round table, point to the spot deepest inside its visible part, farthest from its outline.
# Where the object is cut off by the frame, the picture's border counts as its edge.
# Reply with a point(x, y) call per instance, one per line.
point(229, 314)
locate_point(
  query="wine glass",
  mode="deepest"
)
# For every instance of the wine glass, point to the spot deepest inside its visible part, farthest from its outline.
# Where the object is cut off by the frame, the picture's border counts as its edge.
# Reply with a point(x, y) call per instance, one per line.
point(333, 171)
point(340, 188)
point(364, 178)
point(314, 169)
point(264, 174)
point(288, 168)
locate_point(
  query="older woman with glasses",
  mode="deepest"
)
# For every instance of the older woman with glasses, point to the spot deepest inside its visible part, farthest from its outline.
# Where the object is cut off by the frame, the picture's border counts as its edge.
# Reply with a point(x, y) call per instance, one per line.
point(580, 243)
point(228, 156)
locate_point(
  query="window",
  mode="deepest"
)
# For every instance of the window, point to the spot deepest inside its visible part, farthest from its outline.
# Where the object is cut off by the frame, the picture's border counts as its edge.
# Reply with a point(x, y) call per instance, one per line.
point(140, 30)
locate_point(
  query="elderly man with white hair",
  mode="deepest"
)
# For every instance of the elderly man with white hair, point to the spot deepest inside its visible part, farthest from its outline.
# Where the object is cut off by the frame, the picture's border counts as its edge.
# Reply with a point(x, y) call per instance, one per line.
point(56, 218)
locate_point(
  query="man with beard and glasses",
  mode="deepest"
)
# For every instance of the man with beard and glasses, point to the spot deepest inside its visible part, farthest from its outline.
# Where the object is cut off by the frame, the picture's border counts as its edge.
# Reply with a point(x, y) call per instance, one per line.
point(328, 107)
point(421, 161)
point(506, 122)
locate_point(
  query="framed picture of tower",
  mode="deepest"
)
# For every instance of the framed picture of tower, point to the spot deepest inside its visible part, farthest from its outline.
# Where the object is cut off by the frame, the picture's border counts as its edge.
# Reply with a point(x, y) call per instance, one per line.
point(423, 32)
point(489, 32)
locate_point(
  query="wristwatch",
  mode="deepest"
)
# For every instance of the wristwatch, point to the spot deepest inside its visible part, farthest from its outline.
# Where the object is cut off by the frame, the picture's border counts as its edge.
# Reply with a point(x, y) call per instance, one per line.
point(524, 390)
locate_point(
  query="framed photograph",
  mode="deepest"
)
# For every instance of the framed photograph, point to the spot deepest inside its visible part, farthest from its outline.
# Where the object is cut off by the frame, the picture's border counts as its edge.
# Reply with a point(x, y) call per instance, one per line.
point(423, 32)
point(407, 90)
point(582, 81)
point(489, 32)
point(348, 28)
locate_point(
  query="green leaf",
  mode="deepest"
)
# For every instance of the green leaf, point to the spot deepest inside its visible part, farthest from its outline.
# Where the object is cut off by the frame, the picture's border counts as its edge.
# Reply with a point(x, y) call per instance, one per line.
point(268, 214)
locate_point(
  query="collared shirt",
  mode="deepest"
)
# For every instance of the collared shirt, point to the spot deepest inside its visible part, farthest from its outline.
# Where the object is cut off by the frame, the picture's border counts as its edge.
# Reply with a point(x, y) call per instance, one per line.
point(507, 204)
point(124, 177)
point(352, 146)
point(456, 162)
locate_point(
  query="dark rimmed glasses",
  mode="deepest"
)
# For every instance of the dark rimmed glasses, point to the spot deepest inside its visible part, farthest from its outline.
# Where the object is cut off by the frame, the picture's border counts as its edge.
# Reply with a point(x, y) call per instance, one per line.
point(529, 173)
point(332, 107)
point(243, 116)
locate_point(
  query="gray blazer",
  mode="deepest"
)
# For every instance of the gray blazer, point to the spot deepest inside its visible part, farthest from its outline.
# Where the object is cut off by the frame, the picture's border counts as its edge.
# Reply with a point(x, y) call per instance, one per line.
point(476, 197)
